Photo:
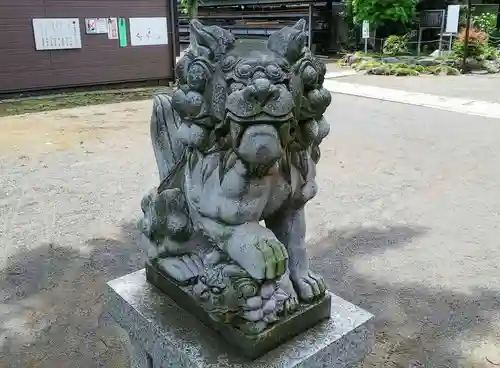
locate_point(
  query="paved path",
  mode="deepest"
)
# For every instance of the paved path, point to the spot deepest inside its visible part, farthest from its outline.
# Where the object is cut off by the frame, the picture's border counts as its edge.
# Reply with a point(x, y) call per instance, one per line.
point(453, 104)
point(405, 225)
point(474, 87)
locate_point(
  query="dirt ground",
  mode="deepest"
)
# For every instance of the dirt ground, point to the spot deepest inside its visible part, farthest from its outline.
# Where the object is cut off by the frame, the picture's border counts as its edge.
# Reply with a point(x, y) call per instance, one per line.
point(71, 181)
point(404, 226)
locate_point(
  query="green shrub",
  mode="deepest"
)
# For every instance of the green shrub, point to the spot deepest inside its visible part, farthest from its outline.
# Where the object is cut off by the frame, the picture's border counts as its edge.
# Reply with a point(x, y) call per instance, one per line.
point(404, 71)
point(489, 53)
point(494, 38)
point(478, 40)
point(486, 22)
point(365, 65)
point(395, 45)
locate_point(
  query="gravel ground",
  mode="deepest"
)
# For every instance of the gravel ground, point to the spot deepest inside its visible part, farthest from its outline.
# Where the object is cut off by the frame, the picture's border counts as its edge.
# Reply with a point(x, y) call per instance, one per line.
point(476, 87)
point(404, 226)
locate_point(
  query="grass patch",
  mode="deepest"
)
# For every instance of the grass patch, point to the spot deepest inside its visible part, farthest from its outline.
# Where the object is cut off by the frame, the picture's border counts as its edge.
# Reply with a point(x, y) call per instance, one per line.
point(75, 99)
point(377, 67)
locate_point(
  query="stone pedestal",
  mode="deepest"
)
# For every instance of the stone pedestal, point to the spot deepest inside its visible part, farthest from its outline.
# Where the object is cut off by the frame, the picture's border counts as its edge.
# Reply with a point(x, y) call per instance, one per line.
point(165, 336)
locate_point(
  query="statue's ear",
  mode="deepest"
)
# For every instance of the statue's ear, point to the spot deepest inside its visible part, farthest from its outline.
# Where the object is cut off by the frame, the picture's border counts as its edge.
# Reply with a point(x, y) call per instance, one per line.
point(289, 42)
point(210, 42)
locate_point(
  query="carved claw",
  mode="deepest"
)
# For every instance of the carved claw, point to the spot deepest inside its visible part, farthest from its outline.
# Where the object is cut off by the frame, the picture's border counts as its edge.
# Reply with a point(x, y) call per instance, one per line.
point(183, 269)
point(292, 300)
point(275, 257)
point(292, 304)
point(309, 286)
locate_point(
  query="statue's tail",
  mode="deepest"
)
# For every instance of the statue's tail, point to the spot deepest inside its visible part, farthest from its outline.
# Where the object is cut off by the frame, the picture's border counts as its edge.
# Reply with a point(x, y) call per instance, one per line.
point(164, 124)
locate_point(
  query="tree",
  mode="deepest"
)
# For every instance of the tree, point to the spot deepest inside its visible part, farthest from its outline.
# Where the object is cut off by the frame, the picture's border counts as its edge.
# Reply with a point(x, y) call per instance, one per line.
point(378, 12)
point(190, 7)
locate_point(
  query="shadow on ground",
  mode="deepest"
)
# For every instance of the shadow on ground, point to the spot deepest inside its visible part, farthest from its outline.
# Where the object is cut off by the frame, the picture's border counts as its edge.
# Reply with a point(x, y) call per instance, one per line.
point(51, 303)
point(416, 326)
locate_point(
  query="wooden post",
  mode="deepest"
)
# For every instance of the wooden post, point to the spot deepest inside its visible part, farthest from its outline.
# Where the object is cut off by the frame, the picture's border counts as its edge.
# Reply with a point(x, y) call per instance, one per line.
point(310, 31)
point(465, 67)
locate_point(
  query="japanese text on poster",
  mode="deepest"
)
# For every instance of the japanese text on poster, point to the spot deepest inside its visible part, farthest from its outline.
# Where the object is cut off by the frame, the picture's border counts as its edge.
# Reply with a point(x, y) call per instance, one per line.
point(57, 33)
point(148, 31)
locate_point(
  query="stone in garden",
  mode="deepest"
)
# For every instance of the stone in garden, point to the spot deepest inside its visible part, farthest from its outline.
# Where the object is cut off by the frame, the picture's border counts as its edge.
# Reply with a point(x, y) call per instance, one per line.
point(491, 66)
point(428, 62)
point(473, 64)
point(451, 62)
point(379, 70)
point(409, 60)
point(436, 54)
point(236, 148)
point(351, 59)
point(390, 60)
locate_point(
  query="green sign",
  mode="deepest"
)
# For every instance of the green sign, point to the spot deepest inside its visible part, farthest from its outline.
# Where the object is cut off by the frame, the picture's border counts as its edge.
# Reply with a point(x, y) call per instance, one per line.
point(122, 32)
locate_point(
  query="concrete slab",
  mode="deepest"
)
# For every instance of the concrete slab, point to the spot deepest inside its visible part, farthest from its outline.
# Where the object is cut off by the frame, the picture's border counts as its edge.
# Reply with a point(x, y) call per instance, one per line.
point(170, 337)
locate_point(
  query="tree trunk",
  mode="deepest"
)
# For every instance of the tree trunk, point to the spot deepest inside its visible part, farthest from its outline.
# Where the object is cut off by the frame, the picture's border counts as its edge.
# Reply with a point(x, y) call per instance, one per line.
point(194, 9)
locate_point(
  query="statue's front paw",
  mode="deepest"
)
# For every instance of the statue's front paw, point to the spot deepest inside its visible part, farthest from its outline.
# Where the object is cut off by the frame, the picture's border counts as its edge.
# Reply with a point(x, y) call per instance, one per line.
point(309, 286)
point(258, 252)
point(275, 257)
point(264, 258)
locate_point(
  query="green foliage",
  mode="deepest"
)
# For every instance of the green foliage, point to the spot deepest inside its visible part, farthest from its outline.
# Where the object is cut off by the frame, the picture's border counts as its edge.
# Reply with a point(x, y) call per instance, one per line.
point(404, 72)
point(395, 45)
point(478, 41)
point(378, 67)
point(494, 38)
point(377, 12)
point(489, 52)
point(444, 70)
point(370, 64)
point(189, 7)
point(485, 22)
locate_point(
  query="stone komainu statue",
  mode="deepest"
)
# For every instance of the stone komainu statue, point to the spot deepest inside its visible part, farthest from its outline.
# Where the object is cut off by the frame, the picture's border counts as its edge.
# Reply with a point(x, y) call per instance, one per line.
point(236, 147)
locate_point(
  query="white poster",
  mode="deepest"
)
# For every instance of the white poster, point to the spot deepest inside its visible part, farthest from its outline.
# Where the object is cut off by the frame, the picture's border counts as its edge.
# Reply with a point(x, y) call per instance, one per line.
point(90, 26)
point(57, 33)
point(366, 29)
point(101, 25)
point(96, 25)
point(452, 19)
point(112, 28)
point(148, 31)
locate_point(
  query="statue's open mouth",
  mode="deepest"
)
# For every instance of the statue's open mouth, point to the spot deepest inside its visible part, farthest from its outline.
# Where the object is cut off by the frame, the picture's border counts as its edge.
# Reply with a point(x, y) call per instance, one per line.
point(261, 118)
point(260, 140)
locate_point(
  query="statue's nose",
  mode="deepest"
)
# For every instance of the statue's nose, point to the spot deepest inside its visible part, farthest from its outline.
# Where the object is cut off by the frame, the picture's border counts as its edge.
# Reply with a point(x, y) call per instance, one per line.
point(262, 89)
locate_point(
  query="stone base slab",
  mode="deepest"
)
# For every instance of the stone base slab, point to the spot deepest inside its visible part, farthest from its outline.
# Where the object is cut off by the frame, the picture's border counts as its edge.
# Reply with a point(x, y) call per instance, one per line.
point(252, 346)
point(166, 336)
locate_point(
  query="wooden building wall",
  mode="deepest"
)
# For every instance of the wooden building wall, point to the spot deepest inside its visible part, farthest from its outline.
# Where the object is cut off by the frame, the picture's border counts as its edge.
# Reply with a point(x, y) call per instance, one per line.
point(99, 61)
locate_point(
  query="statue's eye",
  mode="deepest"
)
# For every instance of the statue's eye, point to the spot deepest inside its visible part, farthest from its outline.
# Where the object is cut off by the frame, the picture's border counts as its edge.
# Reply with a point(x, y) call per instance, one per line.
point(203, 279)
point(197, 77)
point(245, 70)
point(273, 71)
point(216, 290)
